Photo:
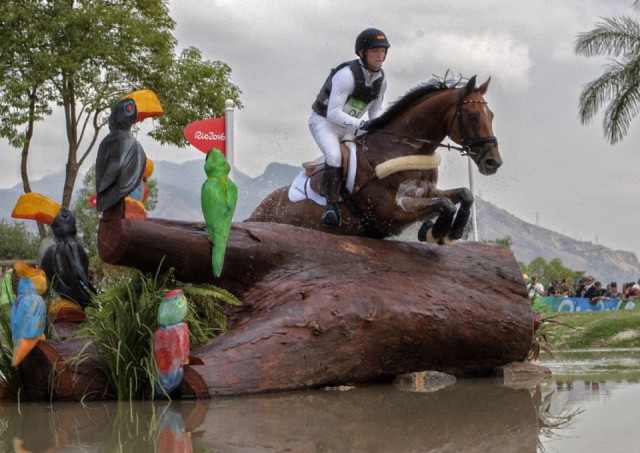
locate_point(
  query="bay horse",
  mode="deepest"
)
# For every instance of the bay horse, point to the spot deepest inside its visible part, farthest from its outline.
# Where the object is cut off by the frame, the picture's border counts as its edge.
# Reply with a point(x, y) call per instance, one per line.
point(395, 184)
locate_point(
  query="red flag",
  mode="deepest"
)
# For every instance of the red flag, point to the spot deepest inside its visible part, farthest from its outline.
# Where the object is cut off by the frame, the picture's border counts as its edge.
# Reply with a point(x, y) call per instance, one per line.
point(207, 134)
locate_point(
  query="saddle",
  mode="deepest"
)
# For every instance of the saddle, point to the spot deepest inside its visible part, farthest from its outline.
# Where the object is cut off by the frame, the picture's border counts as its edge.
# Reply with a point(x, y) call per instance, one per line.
point(308, 185)
point(314, 170)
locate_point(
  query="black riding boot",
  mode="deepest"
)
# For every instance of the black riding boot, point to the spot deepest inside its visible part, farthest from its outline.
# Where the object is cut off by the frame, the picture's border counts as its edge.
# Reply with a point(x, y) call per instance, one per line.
point(332, 185)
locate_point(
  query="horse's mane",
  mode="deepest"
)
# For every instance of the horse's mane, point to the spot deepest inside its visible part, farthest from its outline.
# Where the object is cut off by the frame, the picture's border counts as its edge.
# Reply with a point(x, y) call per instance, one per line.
point(412, 96)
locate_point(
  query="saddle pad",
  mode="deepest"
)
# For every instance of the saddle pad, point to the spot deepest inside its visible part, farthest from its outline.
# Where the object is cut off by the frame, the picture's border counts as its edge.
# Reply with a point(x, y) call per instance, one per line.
point(300, 188)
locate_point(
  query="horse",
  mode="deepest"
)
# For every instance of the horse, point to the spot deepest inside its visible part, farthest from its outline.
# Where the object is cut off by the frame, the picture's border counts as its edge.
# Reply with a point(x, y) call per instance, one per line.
point(395, 182)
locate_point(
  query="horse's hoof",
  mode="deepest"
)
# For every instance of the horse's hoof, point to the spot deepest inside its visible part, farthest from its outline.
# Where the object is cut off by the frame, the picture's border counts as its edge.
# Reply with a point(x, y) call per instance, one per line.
point(431, 239)
point(447, 241)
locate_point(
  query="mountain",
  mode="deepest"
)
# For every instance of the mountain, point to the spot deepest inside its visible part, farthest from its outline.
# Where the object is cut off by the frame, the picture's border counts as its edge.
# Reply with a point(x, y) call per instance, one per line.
point(179, 198)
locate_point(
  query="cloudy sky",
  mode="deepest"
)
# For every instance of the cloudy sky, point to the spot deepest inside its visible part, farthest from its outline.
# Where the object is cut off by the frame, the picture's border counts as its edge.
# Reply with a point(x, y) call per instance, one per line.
point(557, 172)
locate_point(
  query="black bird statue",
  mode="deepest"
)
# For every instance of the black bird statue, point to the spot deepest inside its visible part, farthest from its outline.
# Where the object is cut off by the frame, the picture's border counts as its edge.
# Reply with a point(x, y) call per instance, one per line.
point(65, 261)
point(121, 160)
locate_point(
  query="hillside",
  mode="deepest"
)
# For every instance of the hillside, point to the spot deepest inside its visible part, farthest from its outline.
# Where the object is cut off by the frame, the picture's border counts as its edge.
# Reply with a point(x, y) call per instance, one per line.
point(179, 198)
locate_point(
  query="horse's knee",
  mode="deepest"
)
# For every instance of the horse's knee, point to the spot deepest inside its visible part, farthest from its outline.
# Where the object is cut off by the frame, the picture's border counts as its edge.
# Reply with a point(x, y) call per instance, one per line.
point(466, 196)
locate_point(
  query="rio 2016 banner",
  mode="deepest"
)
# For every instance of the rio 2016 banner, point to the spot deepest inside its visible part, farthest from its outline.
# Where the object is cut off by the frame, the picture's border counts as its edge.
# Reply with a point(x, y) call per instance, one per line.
point(581, 304)
point(206, 134)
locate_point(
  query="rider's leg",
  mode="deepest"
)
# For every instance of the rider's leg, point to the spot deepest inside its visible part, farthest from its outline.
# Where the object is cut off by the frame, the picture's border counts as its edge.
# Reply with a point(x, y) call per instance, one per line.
point(327, 136)
point(332, 185)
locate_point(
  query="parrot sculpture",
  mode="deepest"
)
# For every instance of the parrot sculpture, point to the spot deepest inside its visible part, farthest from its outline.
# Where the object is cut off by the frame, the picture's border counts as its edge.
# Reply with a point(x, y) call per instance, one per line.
point(121, 161)
point(65, 262)
point(28, 312)
point(171, 342)
point(218, 199)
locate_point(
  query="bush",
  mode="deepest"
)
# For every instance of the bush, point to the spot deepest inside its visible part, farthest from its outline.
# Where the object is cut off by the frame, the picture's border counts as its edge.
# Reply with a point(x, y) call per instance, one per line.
point(16, 242)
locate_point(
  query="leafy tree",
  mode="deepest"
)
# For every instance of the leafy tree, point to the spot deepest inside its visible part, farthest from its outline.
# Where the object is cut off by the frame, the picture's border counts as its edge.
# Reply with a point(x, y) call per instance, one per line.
point(505, 241)
point(619, 84)
point(83, 56)
point(16, 242)
point(549, 271)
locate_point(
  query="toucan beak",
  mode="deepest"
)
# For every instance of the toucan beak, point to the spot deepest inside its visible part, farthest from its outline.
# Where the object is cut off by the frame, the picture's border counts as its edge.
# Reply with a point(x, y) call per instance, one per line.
point(36, 275)
point(147, 104)
point(36, 207)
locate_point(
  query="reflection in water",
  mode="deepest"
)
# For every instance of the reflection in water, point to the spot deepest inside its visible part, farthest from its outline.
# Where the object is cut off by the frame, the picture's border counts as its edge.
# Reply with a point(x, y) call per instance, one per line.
point(565, 415)
point(468, 416)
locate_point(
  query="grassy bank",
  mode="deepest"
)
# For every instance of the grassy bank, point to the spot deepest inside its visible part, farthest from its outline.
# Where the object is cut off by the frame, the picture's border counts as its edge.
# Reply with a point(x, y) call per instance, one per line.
point(596, 329)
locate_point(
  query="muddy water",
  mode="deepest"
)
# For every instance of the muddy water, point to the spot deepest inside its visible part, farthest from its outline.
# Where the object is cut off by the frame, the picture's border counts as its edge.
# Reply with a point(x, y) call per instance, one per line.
point(592, 404)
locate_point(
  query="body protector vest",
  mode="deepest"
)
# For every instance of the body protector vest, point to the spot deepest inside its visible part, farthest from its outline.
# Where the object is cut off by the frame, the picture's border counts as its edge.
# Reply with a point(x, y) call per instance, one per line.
point(362, 95)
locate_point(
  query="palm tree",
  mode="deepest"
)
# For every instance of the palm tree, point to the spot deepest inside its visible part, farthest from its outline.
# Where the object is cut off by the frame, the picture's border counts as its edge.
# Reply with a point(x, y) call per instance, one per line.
point(618, 38)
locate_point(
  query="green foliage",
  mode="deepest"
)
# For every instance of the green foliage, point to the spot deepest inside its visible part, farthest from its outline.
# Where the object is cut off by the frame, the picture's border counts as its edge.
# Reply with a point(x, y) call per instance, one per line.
point(552, 270)
point(16, 242)
point(206, 316)
point(505, 241)
point(619, 39)
point(123, 317)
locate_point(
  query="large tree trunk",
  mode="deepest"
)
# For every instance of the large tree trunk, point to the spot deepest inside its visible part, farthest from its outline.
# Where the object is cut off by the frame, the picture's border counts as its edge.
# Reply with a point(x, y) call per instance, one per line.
point(323, 310)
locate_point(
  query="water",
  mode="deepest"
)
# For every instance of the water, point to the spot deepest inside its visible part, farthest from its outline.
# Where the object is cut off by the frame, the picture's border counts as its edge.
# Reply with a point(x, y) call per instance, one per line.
point(592, 404)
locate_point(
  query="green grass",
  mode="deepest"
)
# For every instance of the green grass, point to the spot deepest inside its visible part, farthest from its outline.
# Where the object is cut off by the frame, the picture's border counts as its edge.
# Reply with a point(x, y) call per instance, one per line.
point(592, 330)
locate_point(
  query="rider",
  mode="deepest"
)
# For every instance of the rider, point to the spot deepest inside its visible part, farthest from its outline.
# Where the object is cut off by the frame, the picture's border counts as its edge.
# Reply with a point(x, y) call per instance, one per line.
point(352, 89)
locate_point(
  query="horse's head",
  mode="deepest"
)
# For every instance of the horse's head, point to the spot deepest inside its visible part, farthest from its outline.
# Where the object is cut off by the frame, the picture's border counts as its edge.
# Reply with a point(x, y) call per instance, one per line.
point(471, 126)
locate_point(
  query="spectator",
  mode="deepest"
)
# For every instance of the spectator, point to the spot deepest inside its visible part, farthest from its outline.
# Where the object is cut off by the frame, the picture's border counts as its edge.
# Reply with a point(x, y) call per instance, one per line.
point(553, 289)
point(635, 289)
point(595, 293)
point(612, 291)
point(535, 288)
point(581, 289)
point(565, 289)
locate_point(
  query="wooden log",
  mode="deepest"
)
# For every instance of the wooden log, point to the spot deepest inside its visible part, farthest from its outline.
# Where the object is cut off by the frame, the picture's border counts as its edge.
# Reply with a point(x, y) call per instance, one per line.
point(326, 310)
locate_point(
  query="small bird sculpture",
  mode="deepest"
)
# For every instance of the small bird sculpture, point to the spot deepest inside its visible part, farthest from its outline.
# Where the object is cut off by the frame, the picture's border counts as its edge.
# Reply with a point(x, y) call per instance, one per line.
point(28, 312)
point(65, 262)
point(137, 197)
point(171, 342)
point(121, 159)
point(218, 199)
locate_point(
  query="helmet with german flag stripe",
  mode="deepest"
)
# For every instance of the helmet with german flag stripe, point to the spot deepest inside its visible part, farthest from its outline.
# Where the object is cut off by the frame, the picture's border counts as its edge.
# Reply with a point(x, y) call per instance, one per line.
point(370, 38)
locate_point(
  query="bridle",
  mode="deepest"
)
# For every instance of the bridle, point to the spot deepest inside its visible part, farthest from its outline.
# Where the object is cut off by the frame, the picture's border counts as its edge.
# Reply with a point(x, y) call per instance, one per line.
point(467, 144)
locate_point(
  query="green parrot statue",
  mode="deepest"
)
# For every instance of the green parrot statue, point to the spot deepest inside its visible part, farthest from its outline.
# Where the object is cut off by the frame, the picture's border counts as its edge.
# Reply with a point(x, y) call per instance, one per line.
point(218, 199)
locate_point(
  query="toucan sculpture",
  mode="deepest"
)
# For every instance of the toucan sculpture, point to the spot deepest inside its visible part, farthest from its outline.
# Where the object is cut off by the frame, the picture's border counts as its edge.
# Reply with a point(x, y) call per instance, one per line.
point(121, 161)
point(28, 311)
point(65, 262)
point(218, 200)
point(171, 342)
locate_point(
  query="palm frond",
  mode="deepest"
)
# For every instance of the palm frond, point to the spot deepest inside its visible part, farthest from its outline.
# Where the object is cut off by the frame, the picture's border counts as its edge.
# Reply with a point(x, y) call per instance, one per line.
point(617, 36)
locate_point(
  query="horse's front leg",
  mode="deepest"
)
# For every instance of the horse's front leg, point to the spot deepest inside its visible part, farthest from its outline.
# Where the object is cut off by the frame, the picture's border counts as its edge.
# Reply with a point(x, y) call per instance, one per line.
point(464, 197)
point(420, 198)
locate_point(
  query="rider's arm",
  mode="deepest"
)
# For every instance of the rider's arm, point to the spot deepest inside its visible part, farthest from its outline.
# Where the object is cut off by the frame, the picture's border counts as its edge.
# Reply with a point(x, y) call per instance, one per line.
point(376, 109)
point(342, 86)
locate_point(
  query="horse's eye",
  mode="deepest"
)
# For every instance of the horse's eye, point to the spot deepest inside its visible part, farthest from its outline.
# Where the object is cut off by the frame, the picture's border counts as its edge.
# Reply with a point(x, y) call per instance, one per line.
point(474, 117)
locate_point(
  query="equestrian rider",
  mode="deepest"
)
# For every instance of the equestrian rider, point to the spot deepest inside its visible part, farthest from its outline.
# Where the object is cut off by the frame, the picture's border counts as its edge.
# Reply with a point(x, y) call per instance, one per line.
point(352, 89)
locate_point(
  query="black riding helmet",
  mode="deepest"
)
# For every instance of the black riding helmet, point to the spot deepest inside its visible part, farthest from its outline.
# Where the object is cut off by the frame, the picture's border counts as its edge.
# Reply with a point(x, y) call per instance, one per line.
point(368, 39)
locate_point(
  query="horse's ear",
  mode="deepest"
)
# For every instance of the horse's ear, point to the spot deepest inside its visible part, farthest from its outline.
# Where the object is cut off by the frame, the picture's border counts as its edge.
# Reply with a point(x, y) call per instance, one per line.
point(471, 85)
point(483, 88)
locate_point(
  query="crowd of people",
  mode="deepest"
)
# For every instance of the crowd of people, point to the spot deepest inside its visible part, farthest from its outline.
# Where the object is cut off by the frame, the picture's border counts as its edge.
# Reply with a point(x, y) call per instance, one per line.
point(588, 287)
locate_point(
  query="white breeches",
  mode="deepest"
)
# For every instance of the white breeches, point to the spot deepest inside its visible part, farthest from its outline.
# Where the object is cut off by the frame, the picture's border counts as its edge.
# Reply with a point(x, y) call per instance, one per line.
point(328, 135)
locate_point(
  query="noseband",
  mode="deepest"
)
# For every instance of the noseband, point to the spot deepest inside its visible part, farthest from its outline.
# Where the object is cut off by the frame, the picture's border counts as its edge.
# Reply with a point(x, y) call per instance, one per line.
point(469, 144)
